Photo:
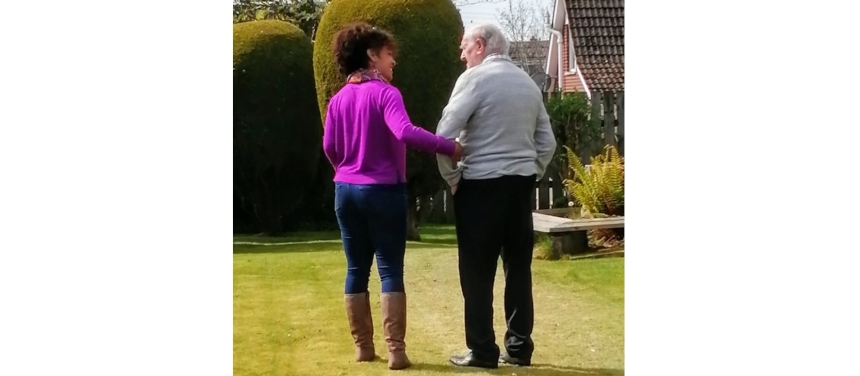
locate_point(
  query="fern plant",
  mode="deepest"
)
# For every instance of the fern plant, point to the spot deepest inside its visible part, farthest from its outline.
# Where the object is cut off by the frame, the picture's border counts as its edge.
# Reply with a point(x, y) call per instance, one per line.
point(599, 190)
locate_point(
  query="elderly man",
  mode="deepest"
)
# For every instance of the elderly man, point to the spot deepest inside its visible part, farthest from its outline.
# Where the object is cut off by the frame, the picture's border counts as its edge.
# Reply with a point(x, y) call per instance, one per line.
point(497, 112)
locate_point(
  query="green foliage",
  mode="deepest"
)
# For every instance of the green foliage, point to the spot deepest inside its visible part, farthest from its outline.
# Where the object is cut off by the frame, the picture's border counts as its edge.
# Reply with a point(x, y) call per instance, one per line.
point(561, 201)
point(276, 125)
point(569, 116)
point(303, 13)
point(542, 247)
point(317, 207)
point(600, 189)
point(428, 34)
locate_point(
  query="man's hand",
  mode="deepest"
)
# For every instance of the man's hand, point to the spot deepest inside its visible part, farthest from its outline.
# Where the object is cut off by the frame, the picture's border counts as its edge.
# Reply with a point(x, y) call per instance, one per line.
point(458, 153)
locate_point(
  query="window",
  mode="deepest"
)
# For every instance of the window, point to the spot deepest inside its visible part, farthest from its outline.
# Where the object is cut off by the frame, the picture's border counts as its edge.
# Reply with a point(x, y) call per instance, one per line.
point(571, 57)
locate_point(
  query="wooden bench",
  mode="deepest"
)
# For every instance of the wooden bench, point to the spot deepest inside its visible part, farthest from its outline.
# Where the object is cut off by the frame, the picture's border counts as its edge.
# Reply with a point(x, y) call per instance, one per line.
point(569, 235)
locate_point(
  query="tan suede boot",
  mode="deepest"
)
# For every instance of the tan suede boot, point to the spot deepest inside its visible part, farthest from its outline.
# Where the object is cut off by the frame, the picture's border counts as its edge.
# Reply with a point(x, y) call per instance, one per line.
point(394, 327)
point(360, 325)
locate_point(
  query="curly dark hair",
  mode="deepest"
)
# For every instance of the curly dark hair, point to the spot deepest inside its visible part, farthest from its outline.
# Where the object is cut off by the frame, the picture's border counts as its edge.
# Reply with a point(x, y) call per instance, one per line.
point(351, 43)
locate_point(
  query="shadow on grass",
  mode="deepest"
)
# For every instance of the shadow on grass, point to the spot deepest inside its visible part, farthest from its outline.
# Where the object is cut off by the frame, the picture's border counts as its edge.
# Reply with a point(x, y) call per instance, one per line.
point(438, 234)
point(298, 247)
point(316, 246)
point(303, 236)
point(432, 236)
point(535, 370)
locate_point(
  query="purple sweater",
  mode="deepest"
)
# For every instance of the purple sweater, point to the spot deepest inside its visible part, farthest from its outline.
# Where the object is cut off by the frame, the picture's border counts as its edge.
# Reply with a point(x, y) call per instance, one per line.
point(366, 133)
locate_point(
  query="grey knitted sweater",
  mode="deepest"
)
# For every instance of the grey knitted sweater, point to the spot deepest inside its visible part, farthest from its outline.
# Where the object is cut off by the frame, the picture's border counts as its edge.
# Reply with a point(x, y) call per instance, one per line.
point(498, 114)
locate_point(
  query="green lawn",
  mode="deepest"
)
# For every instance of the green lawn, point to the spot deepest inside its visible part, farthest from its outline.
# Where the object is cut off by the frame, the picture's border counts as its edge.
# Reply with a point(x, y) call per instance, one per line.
point(289, 318)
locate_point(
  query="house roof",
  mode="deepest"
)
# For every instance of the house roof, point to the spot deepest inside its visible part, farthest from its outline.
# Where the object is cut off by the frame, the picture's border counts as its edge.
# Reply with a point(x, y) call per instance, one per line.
point(597, 27)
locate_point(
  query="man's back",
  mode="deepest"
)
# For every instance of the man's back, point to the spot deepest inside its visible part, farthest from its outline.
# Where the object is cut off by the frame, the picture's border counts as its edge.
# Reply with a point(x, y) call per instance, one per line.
point(502, 123)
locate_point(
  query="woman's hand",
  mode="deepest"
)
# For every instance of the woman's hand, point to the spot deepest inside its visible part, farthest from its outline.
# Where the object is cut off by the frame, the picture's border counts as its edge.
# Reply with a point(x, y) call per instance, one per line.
point(458, 153)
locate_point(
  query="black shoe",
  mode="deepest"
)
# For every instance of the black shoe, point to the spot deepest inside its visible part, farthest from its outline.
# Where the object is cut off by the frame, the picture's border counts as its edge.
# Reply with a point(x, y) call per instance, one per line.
point(469, 360)
point(507, 359)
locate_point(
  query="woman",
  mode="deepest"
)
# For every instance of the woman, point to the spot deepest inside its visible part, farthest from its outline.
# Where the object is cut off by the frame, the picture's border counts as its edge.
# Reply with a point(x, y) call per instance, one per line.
point(366, 134)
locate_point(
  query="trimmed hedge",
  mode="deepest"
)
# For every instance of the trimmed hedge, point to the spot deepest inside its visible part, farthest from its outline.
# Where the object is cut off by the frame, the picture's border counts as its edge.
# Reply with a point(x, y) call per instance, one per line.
point(277, 133)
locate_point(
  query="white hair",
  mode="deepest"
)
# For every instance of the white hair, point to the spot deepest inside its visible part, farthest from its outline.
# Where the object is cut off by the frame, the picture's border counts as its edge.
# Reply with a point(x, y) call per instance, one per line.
point(493, 38)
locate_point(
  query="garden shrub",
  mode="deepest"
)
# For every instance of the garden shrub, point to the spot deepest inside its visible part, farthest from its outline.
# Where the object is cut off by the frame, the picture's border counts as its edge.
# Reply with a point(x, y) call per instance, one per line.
point(277, 134)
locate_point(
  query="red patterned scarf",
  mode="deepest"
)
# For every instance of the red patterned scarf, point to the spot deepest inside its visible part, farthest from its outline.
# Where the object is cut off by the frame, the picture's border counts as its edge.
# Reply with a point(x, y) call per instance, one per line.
point(364, 75)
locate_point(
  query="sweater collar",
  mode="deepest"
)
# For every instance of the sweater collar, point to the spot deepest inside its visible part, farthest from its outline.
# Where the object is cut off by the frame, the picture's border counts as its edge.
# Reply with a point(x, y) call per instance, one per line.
point(493, 57)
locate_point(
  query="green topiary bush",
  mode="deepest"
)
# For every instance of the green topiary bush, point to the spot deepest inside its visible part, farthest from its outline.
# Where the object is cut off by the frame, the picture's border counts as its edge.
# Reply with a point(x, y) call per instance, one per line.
point(277, 133)
point(428, 34)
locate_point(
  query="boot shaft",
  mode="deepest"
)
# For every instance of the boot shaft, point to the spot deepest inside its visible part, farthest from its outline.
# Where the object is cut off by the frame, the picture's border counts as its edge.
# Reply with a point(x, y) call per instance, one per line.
point(360, 324)
point(394, 328)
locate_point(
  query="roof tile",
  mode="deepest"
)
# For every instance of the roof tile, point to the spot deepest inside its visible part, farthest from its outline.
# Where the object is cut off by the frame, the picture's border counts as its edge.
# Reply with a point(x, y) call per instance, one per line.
point(598, 40)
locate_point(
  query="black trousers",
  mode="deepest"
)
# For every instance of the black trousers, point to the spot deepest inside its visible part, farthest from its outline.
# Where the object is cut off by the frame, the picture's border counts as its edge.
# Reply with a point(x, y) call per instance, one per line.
point(493, 219)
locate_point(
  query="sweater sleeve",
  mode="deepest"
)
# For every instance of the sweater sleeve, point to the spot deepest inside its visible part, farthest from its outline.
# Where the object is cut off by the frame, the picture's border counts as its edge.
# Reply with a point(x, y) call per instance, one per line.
point(545, 143)
point(456, 114)
point(403, 129)
point(329, 137)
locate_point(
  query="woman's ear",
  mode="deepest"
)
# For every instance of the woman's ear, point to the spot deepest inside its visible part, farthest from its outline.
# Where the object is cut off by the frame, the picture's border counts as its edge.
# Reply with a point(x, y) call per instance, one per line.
point(373, 59)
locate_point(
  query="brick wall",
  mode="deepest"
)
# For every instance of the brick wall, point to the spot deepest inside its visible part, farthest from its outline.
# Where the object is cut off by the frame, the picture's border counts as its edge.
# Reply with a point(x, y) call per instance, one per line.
point(571, 80)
